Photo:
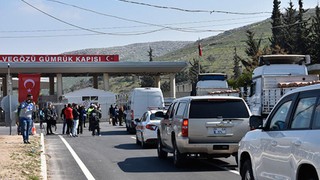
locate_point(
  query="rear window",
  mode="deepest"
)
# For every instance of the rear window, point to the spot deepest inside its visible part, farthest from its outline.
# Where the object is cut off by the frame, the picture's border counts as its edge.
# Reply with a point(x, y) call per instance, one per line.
point(218, 108)
point(154, 117)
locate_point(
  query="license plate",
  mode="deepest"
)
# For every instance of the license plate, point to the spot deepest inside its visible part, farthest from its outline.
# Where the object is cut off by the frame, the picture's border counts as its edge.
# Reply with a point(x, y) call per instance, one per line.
point(219, 131)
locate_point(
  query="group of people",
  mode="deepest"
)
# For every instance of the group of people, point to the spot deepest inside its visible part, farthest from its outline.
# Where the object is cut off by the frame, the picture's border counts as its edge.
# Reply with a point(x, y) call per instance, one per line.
point(117, 115)
point(74, 117)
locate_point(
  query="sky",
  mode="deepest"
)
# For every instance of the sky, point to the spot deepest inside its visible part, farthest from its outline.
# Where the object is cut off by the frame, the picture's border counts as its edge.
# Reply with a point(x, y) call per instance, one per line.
point(58, 26)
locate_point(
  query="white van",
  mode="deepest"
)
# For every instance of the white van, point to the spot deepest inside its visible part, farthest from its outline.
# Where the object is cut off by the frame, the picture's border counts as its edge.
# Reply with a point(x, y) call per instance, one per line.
point(141, 100)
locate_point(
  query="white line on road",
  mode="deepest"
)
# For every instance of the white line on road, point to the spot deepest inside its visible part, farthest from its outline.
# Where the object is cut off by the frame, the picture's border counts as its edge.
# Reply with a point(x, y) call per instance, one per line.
point(78, 160)
point(43, 159)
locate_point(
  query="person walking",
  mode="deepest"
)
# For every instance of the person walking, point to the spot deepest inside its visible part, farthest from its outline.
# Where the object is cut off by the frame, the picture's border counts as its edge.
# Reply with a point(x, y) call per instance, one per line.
point(42, 118)
point(82, 119)
point(69, 118)
point(49, 117)
point(112, 113)
point(26, 112)
point(88, 112)
point(63, 118)
point(76, 114)
point(94, 117)
point(120, 115)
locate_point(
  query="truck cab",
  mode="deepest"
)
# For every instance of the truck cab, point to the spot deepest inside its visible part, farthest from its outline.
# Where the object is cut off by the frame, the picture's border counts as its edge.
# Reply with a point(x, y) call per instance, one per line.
point(209, 82)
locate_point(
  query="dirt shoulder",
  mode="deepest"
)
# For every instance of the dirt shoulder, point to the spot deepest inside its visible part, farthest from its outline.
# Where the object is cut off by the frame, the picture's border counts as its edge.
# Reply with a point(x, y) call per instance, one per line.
point(19, 160)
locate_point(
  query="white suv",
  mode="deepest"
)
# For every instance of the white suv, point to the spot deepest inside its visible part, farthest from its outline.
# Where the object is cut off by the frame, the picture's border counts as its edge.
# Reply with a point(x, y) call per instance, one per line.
point(288, 145)
point(210, 126)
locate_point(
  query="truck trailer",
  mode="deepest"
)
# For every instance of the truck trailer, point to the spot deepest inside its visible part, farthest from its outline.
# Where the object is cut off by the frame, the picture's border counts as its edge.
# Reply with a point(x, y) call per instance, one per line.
point(275, 76)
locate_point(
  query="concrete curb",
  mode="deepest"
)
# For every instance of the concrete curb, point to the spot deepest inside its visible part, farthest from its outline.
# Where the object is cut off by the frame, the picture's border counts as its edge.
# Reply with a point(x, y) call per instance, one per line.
point(43, 159)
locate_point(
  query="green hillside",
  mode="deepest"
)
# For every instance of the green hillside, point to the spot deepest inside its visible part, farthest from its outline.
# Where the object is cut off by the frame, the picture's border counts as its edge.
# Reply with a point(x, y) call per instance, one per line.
point(218, 51)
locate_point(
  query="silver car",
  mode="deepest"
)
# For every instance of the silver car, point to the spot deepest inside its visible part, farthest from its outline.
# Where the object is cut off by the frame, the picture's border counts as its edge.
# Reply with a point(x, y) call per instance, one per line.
point(209, 126)
point(288, 145)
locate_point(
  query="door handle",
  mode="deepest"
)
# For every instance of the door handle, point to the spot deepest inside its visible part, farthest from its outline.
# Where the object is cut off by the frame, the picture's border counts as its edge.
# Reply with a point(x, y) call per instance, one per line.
point(274, 143)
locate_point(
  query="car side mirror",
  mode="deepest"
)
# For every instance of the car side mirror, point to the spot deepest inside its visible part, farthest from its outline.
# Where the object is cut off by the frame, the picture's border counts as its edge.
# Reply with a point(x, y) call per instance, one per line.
point(255, 122)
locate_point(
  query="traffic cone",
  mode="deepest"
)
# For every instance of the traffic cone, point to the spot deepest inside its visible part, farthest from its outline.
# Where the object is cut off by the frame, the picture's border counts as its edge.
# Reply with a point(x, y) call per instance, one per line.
point(34, 130)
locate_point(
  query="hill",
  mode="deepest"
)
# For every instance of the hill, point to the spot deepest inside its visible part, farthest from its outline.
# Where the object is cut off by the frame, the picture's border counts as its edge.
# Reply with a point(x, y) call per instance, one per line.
point(137, 51)
point(218, 51)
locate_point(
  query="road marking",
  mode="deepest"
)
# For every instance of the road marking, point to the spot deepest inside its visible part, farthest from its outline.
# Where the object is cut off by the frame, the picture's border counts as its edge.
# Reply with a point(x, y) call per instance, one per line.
point(222, 167)
point(78, 160)
point(43, 159)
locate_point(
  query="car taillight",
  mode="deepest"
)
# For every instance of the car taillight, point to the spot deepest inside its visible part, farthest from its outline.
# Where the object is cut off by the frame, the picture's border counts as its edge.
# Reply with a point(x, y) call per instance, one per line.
point(151, 127)
point(184, 128)
point(132, 115)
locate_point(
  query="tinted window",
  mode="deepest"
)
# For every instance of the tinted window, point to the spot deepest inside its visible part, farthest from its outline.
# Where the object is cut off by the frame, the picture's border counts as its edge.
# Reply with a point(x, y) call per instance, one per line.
point(181, 108)
point(218, 108)
point(316, 118)
point(154, 117)
point(303, 113)
point(279, 118)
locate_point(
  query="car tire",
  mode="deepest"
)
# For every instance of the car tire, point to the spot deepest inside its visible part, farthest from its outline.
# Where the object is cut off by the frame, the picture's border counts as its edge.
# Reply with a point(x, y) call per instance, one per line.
point(143, 144)
point(246, 171)
point(161, 153)
point(178, 158)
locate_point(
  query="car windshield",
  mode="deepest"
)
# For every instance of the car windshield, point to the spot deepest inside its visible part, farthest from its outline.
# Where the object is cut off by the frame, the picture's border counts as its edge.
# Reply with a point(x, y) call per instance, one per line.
point(214, 108)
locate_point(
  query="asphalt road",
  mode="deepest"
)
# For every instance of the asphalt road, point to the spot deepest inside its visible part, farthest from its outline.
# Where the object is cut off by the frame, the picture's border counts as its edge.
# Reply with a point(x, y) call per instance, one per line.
point(114, 156)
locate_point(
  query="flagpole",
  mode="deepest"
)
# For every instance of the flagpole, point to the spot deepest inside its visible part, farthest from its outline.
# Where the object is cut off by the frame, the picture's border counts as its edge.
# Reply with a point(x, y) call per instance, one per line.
point(200, 54)
point(10, 89)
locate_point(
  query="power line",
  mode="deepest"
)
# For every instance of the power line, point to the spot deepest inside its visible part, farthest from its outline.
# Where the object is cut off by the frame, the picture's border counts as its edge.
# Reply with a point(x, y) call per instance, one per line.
point(86, 29)
point(82, 28)
point(193, 11)
point(141, 26)
point(135, 21)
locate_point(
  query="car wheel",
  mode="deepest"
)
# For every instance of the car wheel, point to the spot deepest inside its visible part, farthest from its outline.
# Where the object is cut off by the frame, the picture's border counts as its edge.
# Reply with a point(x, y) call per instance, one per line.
point(161, 153)
point(143, 144)
point(137, 140)
point(246, 172)
point(178, 158)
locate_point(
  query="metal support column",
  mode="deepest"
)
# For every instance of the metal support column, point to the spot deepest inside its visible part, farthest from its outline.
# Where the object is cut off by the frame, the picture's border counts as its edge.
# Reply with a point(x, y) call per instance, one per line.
point(106, 81)
point(59, 87)
point(172, 85)
point(157, 81)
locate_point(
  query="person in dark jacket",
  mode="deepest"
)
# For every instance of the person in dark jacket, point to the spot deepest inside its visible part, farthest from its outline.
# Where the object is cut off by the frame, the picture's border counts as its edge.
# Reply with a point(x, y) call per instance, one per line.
point(94, 117)
point(49, 115)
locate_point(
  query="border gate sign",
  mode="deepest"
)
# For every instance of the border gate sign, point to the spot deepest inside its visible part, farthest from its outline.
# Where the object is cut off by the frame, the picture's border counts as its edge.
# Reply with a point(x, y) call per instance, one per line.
point(58, 58)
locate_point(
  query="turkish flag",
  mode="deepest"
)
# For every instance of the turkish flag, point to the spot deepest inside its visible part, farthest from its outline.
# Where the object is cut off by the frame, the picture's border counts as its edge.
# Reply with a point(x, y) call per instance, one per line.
point(200, 49)
point(29, 84)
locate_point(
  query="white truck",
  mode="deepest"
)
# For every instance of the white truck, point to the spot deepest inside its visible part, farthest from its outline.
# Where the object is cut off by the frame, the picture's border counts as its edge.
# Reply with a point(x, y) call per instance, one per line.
point(210, 82)
point(275, 76)
point(214, 84)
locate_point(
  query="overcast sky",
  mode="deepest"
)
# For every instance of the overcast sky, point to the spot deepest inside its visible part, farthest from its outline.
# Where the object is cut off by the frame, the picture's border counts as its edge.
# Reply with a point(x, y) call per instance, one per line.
point(54, 27)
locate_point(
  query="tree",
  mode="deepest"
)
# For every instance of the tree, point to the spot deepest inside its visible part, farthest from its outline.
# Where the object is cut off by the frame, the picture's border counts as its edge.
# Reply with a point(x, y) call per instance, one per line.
point(303, 32)
point(253, 50)
point(290, 22)
point(236, 65)
point(276, 39)
point(150, 54)
point(315, 28)
point(148, 81)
